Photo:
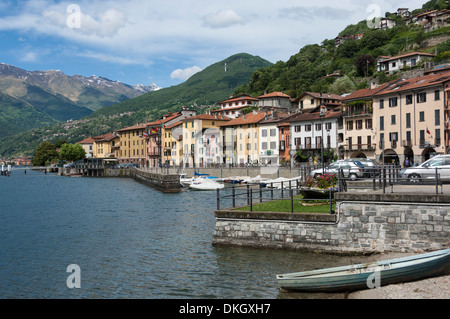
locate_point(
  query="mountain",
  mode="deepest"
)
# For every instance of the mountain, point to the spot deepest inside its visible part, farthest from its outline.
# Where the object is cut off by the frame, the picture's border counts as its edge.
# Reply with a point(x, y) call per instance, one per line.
point(211, 85)
point(92, 93)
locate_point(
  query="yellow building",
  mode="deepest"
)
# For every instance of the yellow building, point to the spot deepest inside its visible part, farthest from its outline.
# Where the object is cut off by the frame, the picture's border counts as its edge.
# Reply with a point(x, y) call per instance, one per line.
point(105, 146)
point(132, 145)
point(173, 144)
point(197, 131)
point(241, 139)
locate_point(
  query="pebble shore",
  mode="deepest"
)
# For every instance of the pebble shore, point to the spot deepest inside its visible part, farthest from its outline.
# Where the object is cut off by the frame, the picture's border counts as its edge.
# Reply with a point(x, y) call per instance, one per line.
point(431, 288)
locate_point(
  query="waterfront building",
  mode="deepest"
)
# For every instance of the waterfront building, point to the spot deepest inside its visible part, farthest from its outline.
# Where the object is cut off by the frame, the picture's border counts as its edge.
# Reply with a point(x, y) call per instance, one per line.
point(155, 136)
point(233, 107)
point(88, 146)
point(314, 132)
point(308, 101)
point(106, 146)
point(241, 139)
point(411, 118)
point(132, 146)
point(173, 144)
point(196, 132)
point(358, 137)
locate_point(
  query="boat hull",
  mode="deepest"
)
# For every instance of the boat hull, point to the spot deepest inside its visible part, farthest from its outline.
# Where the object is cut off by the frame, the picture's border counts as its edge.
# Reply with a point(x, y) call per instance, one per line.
point(366, 276)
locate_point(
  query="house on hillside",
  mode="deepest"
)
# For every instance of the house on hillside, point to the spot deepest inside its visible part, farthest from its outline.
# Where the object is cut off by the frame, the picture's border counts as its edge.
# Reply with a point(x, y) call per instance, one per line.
point(275, 100)
point(88, 146)
point(308, 101)
point(233, 107)
point(397, 63)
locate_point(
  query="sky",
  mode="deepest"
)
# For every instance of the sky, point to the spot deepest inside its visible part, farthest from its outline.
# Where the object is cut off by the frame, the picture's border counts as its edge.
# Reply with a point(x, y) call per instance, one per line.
point(167, 41)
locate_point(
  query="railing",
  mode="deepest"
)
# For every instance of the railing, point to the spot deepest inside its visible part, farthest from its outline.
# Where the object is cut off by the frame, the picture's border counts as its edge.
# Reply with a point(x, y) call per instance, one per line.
point(250, 195)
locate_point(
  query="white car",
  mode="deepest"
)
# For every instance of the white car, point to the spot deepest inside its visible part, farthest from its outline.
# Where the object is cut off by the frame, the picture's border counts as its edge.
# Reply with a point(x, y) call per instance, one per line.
point(352, 170)
point(427, 171)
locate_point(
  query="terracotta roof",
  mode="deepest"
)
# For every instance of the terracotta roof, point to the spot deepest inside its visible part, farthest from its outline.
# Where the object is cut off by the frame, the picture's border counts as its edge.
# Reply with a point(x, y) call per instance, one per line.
point(367, 93)
point(136, 127)
point(250, 118)
point(231, 108)
point(415, 83)
point(407, 55)
point(88, 140)
point(174, 125)
point(105, 137)
point(274, 94)
point(207, 117)
point(320, 96)
point(315, 116)
point(238, 99)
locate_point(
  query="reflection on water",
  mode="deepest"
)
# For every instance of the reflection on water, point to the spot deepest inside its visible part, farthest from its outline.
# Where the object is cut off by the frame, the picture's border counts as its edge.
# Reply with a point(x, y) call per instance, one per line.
point(130, 242)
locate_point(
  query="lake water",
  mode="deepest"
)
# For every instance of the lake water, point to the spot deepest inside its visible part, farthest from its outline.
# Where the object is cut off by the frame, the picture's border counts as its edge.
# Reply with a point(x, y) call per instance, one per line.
point(130, 241)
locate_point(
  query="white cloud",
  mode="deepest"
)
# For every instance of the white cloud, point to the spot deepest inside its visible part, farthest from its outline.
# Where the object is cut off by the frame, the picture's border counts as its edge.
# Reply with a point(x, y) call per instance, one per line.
point(184, 74)
point(29, 57)
point(222, 19)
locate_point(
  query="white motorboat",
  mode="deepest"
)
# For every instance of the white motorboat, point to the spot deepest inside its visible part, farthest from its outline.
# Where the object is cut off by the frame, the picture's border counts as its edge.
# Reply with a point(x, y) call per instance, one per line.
point(205, 184)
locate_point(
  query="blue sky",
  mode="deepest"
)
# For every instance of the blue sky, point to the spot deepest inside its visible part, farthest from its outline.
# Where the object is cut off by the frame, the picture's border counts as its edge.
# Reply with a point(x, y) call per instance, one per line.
point(165, 42)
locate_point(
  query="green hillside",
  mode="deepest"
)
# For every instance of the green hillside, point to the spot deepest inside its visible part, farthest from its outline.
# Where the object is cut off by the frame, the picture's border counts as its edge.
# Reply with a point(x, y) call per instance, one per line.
point(354, 60)
point(207, 87)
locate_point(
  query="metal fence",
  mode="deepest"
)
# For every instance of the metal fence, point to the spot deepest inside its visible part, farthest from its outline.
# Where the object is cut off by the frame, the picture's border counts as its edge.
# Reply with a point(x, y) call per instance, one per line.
point(251, 195)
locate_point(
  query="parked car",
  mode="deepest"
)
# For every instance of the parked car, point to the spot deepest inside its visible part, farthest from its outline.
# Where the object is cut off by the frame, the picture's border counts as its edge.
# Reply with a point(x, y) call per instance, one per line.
point(370, 166)
point(69, 165)
point(352, 170)
point(427, 170)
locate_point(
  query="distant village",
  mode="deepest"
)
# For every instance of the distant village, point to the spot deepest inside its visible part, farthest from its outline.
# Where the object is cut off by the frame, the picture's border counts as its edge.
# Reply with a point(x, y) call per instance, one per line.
point(404, 118)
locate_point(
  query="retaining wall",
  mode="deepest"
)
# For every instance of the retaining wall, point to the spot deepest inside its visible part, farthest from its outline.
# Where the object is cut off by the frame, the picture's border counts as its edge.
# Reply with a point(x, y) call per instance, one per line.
point(362, 224)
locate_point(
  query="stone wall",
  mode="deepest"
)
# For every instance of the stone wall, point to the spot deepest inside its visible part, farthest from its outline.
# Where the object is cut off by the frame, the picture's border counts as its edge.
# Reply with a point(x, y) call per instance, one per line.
point(164, 183)
point(360, 226)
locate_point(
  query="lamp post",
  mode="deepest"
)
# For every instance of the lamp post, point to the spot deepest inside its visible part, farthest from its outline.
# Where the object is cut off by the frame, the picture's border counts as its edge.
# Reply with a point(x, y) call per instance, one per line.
point(323, 111)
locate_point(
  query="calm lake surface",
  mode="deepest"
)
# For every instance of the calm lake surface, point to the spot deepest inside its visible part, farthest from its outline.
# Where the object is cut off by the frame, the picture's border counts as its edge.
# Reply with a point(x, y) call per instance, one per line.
point(130, 241)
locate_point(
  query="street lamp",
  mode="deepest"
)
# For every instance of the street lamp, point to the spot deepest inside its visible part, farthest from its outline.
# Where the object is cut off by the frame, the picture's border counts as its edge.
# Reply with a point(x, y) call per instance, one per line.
point(323, 111)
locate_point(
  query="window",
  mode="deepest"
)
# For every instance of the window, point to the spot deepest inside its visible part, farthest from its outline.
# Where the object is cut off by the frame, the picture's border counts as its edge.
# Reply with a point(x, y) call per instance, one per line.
point(264, 145)
point(408, 120)
point(298, 142)
point(298, 128)
point(249, 147)
point(393, 137)
point(381, 123)
point(381, 104)
point(273, 132)
point(408, 136)
point(393, 102)
point(409, 99)
point(264, 133)
point(422, 117)
point(318, 127)
point(421, 97)
point(308, 128)
point(437, 95)
point(368, 124)
point(349, 125)
point(359, 124)
point(437, 117)
point(392, 119)
point(328, 126)
point(437, 136)
point(273, 145)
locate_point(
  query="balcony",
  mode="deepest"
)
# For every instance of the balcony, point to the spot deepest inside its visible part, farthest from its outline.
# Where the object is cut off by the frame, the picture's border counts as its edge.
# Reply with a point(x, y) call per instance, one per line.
point(407, 143)
point(359, 147)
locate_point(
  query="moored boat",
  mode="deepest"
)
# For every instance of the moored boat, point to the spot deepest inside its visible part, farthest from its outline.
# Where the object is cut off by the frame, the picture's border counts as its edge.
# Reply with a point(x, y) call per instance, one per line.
point(205, 184)
point(365, 276)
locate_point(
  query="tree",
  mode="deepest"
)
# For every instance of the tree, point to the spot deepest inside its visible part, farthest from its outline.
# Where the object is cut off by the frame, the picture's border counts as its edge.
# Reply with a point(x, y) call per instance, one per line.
point(45, 153)
point(72, 153)
point(364, 63)
point(342, 85)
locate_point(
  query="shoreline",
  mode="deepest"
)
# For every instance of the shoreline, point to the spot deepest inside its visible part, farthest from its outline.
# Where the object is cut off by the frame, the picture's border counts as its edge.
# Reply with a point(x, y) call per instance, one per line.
point(430, 288)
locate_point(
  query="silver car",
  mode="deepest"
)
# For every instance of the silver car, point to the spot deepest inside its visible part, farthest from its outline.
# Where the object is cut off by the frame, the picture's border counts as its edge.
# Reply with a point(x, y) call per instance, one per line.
point(352, 170)
point(427, 171)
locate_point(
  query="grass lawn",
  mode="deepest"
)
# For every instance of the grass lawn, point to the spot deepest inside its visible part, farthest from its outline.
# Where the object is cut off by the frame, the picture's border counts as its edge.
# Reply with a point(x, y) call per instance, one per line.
point(284, 206)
